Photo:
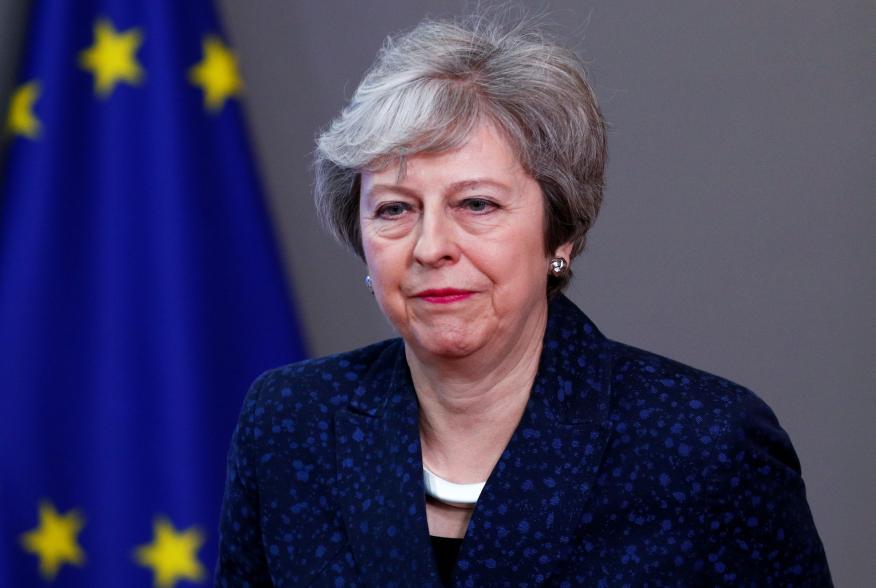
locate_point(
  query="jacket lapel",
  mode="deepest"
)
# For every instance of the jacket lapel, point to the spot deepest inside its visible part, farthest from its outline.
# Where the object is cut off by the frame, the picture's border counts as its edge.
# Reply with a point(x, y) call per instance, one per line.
point(534, 504)
point(380, 482)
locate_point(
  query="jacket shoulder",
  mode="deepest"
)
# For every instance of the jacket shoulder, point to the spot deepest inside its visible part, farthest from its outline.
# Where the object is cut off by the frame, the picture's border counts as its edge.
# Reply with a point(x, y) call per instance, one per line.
point(729, 450)
point(319, 384)
point(655, 379)
point(693, 411)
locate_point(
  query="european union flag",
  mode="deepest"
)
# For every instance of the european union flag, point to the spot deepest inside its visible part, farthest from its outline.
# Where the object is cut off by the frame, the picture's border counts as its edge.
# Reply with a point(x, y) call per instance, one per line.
point(141, 291)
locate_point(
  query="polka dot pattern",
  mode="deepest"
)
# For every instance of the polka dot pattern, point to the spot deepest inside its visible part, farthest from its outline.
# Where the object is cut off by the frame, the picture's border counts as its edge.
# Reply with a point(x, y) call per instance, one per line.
point(627, 469)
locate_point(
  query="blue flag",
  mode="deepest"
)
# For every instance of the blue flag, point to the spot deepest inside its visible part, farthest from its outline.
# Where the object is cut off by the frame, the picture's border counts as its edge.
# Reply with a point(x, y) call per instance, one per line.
point(141, 291)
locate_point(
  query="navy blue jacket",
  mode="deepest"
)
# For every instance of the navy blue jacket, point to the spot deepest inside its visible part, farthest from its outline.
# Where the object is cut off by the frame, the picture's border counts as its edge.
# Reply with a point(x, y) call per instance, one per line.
point(627, 469)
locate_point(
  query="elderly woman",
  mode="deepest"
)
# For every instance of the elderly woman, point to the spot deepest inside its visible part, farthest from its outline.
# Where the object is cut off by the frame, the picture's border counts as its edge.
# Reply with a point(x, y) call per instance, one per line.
point(502, 440)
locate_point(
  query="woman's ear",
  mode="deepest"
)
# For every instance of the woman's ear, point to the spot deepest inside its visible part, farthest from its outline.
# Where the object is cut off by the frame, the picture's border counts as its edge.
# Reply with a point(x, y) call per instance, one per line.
point(564, 251)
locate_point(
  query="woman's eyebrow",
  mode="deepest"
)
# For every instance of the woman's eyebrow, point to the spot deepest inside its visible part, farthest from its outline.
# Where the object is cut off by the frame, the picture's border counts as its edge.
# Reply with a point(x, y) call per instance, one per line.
point(455, 187)
point(378, 189)
point(475, 183)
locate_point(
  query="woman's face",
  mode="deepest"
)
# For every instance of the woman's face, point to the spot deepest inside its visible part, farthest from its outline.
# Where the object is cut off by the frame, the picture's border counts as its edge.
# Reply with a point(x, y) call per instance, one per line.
point(455, 247)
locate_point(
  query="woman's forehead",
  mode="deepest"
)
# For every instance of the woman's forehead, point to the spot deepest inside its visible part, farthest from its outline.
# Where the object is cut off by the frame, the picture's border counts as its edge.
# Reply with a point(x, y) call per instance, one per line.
point(485, 151)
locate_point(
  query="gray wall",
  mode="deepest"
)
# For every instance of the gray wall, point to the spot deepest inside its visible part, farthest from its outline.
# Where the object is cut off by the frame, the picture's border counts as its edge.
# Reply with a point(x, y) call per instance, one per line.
point(737, 230)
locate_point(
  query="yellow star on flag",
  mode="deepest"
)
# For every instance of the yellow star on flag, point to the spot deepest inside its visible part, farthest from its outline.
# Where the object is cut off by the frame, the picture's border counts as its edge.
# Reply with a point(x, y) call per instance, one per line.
point(53, 541)
point(21, 119)
point(172, 555)
point(216, 74)
point(112, 58)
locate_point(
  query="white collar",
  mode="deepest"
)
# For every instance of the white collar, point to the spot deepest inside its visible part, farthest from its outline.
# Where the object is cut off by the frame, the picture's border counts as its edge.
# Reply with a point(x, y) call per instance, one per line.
point(464, 495)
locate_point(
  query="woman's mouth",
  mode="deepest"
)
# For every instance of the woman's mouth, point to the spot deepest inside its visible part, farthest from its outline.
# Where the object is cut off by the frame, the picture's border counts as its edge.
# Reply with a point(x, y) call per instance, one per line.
point(443, 295)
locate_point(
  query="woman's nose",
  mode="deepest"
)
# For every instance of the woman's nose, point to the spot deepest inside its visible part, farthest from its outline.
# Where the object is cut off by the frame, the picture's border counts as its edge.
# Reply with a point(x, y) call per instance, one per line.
point(436, 243)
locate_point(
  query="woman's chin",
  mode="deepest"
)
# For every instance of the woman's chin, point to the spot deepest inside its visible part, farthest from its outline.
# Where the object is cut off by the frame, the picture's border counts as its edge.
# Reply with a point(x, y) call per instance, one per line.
point(446, 335)
point(446, 344)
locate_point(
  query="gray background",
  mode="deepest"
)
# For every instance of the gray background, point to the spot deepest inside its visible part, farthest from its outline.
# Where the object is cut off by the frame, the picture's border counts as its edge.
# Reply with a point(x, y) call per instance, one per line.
point(737, 233)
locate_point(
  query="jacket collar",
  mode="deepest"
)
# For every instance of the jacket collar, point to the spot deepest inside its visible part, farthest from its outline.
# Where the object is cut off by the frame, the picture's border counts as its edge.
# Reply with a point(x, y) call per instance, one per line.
point(531, 508)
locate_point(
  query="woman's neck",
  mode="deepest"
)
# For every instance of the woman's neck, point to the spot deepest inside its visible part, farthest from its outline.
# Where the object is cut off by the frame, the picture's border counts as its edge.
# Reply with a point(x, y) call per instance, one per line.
point(469, 407)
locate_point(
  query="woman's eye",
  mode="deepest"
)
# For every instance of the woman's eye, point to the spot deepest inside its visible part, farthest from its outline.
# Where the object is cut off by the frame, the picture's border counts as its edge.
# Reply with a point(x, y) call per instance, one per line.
point(392, 209)
point(478, 205)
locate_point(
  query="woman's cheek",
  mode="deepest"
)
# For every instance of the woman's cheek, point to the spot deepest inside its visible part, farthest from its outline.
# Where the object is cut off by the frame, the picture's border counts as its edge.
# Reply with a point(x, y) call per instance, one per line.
point(392, 228)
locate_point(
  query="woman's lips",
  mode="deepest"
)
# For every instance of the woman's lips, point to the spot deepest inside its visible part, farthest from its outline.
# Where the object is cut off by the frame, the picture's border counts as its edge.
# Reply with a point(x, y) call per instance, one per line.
point(443, 295)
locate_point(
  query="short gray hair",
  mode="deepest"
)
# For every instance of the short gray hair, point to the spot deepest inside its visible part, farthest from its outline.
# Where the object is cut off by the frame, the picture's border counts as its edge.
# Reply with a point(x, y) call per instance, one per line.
point(430, 87)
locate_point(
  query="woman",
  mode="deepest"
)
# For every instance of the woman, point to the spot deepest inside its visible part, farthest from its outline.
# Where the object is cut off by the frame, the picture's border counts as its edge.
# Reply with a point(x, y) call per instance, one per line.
point(502, 440)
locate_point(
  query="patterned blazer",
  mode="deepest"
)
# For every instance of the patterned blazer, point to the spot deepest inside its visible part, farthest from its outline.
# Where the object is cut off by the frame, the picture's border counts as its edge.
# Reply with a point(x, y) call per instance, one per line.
point(626, 469)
